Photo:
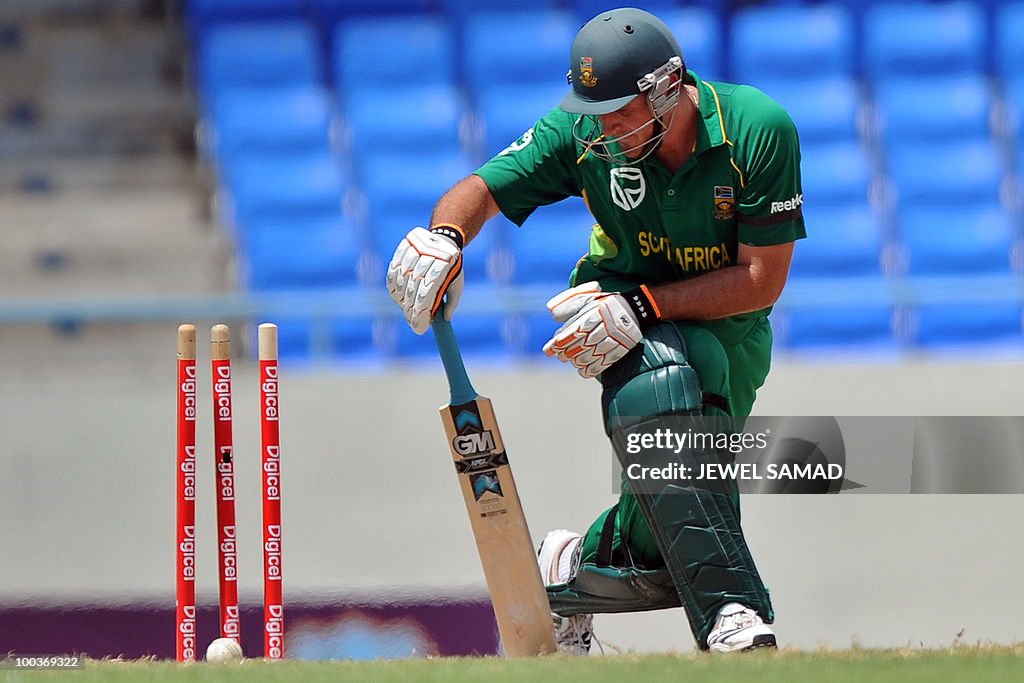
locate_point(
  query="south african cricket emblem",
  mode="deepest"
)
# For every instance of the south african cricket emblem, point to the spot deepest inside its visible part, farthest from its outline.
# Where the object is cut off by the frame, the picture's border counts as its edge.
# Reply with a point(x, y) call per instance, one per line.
point(725, 203)
point(587, 77)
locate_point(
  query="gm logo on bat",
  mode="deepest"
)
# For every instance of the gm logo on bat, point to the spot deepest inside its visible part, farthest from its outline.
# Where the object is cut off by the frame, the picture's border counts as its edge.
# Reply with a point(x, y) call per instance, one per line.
point(472, 444)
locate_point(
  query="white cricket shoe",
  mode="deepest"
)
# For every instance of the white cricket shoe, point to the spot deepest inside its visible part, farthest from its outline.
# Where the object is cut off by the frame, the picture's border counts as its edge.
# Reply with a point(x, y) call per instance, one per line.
point(739, 628)
point(574, 634)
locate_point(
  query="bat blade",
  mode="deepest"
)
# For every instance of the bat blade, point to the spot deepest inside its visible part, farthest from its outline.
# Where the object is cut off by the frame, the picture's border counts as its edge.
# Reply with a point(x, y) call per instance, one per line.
point(499, 526)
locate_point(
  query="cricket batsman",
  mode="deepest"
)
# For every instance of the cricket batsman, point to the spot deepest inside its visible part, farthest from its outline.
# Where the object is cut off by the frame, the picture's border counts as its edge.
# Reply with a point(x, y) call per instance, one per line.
point(695, 188)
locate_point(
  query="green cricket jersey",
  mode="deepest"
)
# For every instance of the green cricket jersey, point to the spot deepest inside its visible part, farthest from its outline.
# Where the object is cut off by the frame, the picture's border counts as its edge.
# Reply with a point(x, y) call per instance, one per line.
point(742, 184)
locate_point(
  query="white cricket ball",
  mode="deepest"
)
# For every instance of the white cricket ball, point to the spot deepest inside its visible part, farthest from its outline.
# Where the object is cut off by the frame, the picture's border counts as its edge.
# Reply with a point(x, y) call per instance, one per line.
point(224, 650)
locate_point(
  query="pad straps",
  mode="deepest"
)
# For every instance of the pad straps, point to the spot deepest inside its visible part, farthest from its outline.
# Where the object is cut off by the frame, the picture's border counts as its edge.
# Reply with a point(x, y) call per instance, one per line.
point(603, 557)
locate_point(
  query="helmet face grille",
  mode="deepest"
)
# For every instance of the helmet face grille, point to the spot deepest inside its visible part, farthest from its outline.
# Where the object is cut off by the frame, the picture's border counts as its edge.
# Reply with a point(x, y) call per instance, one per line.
point(614, 150)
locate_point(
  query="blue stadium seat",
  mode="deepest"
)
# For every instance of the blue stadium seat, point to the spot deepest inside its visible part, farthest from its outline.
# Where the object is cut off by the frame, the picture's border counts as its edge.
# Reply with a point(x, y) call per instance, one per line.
point(401, 342)
point(540, 327)
point(395, 178)
point(407, 118)
point(301, 254)
point(517, 47)
point(463, 8)
point(588, 9)
point(477, 259)
point(981, 324)
point(950, 173)
point(259, 54)
point(393, 53)
point(294, 337)
point(507, 111)
point(387, 225)
point(856, 8)
point(926, 108)
point(385, 334)
point(551, 241)
point(841, 241)
point(924, 39)
point(956, 240)
point(285, 187)
point(480, 335)
point(500, 266)
point(867, 328)
point(835, 173)
point(290, 118)
point(1009, 43)
point(328, 13)
point(1014, 97)
point(401, 190)
point(352, 339)
point(823, 109)
point(791, 42)
point(515, 333)
point(203, 12)
point(484, 335)
point(344, 339)
point(699, 32)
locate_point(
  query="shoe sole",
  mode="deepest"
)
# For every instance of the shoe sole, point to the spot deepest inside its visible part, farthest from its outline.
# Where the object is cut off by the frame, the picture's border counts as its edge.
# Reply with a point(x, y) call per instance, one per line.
point(763, 641)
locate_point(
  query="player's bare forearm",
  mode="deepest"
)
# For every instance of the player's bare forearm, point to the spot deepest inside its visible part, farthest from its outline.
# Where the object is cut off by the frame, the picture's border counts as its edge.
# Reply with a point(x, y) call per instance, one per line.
point(755, 282)
point(468, 205)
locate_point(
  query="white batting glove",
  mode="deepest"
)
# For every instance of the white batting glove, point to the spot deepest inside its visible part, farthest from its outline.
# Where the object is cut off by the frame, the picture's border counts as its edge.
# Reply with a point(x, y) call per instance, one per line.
point(426, 267)
point(568, 303)
point(600, 327)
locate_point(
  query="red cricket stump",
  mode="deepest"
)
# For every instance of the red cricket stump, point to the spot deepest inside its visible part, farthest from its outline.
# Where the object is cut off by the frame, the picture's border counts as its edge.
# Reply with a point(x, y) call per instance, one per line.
point(185, 573)
point(227, 548)
point(273, 597)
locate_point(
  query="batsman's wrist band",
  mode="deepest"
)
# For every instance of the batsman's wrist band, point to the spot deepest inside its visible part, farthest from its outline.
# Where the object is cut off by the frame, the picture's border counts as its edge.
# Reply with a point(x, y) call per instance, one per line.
point(452, 232)
point(642, 304)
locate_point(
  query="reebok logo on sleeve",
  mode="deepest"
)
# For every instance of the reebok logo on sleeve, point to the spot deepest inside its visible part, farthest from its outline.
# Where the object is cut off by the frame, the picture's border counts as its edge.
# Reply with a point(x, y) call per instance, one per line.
point(788, 205)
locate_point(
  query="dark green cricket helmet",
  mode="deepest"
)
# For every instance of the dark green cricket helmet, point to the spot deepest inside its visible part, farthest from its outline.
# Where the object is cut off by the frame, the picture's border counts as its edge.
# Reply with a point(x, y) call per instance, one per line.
point(612, 54)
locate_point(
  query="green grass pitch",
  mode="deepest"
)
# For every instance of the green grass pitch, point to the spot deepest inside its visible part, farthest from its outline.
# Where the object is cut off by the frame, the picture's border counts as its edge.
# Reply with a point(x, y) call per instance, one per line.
point(988, 664)
point(961, 663)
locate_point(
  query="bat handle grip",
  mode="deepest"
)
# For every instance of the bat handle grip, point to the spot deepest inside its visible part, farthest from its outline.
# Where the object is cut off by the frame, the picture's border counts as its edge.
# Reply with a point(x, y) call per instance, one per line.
point(458, 380)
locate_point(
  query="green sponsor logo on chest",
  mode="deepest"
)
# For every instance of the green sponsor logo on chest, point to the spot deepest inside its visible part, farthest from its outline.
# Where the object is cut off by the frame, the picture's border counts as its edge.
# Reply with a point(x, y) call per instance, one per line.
point(694, 259)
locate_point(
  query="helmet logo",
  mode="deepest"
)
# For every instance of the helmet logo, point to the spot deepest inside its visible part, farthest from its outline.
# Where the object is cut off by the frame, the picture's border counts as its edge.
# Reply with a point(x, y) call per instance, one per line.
point(587, 77)
point(627, 187)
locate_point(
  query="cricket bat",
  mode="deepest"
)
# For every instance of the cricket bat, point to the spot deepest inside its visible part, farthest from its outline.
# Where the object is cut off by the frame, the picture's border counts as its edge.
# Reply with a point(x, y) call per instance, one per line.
point(495, 513)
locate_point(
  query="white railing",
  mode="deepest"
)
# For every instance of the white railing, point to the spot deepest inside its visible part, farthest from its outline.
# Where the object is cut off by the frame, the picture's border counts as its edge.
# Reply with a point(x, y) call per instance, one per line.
point(361, 301)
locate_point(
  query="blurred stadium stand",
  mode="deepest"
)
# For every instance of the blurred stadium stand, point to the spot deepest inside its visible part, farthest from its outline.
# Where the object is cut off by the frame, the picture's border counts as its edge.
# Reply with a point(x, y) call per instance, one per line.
point(791, 42)
point(328, 128)
point(96, 179)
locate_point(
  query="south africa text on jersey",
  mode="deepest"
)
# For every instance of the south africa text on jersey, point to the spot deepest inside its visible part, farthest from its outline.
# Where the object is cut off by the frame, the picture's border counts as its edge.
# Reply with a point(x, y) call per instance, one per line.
point(695, 259)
